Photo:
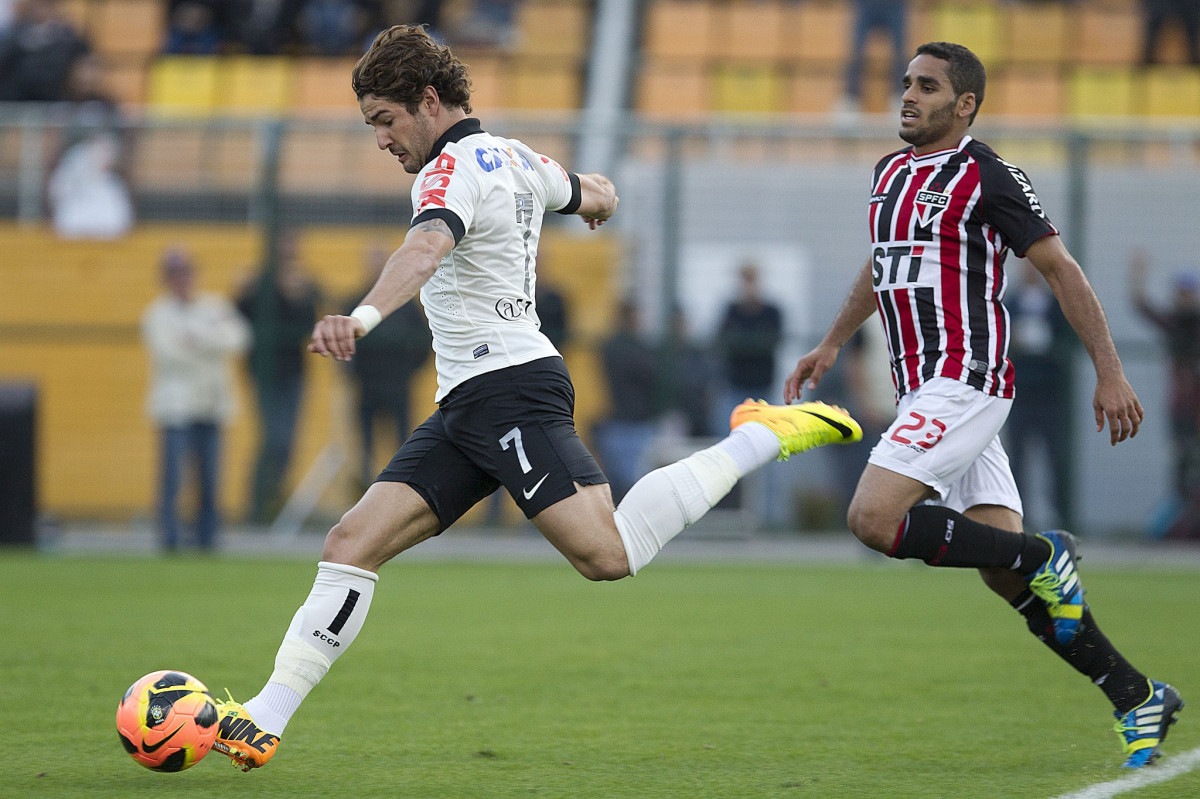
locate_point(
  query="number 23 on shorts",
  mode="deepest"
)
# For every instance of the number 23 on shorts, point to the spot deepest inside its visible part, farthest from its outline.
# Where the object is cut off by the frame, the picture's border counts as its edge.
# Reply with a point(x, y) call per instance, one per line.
point(927, 432)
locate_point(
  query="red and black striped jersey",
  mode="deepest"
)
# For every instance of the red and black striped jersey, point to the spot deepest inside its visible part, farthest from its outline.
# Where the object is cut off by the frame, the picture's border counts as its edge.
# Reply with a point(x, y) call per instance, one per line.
point(941, 226)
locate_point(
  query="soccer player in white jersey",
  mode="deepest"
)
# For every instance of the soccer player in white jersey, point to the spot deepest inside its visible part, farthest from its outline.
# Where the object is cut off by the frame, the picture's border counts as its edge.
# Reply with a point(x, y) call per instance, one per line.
point(937, 487)
point(505, 398)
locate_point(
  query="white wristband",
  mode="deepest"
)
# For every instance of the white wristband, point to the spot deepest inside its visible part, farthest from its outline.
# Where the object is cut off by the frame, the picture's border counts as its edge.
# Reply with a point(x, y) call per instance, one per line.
point(367, 314)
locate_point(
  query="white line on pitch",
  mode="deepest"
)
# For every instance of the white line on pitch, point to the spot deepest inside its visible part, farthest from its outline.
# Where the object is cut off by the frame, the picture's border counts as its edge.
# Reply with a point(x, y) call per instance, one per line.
point(1166, 769)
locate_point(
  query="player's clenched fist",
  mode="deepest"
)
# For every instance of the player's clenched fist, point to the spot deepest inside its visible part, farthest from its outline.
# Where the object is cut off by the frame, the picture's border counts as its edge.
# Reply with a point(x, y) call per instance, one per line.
point(335, 335)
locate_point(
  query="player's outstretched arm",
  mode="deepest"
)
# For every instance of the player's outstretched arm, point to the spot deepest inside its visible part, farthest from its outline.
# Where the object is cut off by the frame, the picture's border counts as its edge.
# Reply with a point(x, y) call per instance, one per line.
point(597, 199)
point(857, 308)
point(407, 269)
point(1114, 401)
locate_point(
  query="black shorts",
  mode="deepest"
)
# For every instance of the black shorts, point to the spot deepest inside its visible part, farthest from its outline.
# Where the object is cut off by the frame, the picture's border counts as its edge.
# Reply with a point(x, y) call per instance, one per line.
point(513, 427)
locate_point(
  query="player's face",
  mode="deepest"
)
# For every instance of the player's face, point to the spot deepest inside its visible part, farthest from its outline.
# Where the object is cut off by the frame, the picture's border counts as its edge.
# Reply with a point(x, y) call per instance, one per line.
point(409, 137)
point(931, 117)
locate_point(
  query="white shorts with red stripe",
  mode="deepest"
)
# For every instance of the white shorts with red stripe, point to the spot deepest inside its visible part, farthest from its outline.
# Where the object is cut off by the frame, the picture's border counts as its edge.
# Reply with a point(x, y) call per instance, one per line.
point(947, 436)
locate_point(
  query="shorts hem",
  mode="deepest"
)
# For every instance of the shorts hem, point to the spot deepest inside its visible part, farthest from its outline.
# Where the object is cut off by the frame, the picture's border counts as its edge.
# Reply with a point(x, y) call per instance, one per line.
point(908, 470)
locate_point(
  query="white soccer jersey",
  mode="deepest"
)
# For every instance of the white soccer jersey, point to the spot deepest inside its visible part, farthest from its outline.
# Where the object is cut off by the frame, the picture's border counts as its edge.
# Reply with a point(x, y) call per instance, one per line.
point(493, 193)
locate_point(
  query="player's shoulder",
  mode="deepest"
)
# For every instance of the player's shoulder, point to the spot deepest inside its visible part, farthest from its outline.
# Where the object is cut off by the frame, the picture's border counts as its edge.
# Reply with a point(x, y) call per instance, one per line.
point(902, 154)
point(993, 169)
point(982, 153)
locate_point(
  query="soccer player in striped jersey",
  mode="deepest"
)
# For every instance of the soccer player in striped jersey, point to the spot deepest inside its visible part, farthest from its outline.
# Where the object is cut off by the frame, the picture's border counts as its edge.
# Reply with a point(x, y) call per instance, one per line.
point(505, 400)
point(944, 212)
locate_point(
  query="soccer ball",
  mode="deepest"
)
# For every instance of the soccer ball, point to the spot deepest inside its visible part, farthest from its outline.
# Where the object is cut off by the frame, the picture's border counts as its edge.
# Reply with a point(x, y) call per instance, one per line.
point(167, 721)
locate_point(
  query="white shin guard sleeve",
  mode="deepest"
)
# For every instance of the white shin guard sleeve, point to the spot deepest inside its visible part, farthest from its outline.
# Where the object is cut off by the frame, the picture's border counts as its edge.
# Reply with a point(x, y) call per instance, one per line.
point(665, 501)
point(324, 626)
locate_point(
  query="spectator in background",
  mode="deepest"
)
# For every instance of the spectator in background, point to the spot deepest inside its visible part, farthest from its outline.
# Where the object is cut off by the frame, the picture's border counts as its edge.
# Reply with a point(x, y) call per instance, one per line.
point(191, 338)
point(1179, 324)
point(384, 365)
point(889, 16)
point(492, 23)
point(7, 13)
point(749, 335)
point(687, 377)
point(551, 307)
point(427, 13)
point(335, 27)
point(750, 332)
point(192, 30)
point(36, 53)
point(1157, 13)
point(1040, 348)
point(282, 313)
point(264, 27)
point(88, 188)
point(631, 375)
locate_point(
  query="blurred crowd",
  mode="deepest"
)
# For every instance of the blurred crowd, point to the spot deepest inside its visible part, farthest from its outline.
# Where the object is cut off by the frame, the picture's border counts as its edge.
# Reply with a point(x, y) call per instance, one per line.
point(40, 45)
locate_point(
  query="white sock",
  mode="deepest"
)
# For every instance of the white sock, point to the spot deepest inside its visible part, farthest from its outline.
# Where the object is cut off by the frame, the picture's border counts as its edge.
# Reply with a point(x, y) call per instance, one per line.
point(665, 501)
point(322, 629)
point(751, 445)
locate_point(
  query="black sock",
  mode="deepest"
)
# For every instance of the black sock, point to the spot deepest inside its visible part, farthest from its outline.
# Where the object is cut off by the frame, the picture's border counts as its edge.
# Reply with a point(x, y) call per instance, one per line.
point(943, 537)
point(1090, 653)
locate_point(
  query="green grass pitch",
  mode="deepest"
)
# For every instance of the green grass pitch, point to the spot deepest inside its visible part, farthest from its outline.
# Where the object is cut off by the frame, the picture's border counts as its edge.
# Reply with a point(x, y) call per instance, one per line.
point(480, 680)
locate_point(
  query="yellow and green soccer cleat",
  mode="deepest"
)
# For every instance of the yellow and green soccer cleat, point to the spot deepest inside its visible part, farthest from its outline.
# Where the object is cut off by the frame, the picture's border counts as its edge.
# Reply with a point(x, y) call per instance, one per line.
point(240, 739)
point(799, 428)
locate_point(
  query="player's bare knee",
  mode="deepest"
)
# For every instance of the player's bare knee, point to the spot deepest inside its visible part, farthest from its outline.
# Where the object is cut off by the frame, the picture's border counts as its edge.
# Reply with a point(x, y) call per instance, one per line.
point(339, 544)
point(873, 528)
point(603, 567)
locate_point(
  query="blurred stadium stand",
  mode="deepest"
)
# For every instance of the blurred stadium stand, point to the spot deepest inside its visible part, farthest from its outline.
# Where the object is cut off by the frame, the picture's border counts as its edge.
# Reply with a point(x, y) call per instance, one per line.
point(727, 140)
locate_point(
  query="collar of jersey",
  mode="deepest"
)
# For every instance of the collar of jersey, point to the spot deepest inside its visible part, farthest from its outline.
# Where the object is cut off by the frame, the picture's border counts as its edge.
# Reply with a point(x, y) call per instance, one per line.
point(459, 130)
point(936, 158)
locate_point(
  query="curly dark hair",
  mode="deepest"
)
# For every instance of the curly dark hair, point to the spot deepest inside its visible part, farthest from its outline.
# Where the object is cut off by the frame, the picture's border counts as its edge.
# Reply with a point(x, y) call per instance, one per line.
point(402, 61)
point(966, 71)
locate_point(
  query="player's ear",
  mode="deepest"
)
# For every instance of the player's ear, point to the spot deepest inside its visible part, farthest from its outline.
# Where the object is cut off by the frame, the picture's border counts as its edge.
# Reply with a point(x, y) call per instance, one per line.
point(966, 104)
point(431, 100)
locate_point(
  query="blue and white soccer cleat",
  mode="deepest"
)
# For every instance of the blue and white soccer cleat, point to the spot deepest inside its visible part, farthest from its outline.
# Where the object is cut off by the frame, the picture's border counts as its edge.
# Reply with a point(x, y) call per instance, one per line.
point(1057, 584)
point(1145, 727)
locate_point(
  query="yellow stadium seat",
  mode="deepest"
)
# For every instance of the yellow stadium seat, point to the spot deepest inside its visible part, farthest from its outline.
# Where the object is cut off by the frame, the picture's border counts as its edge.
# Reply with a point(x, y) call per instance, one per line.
point(544, 85)
point(813, 91)
point(489, 84)
point(126, 79)
point(680, 29)
point(77, 12)
point(322, 85)
point(818, 32)
point(673, 88)
point(919, 28)
point(183, 85)
point(127, 27)
point(975, 25)
point(745, 88)
point(553, 28)
point(255, 84)
point(165, 158)
point(1100, 91)
point(1037, 33)
point(1025, 91)
point(1172, 91)
point(751, 31)
point(233, 159)
point(316, 161)
point(1106, 35)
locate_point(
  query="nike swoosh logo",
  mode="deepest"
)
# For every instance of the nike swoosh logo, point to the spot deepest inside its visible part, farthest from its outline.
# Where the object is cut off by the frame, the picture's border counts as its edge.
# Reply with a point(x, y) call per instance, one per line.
point(838, 426)
point(529, 492)
point(155, 747)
